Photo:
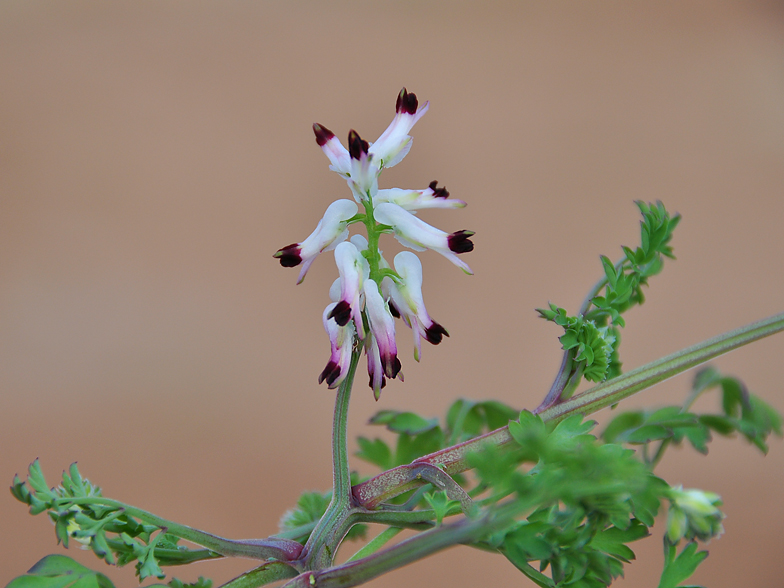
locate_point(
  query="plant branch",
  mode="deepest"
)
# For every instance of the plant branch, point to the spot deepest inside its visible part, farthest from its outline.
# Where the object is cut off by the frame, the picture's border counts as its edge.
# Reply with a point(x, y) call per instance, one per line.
point(360, 571)
point(453, 459)
point(625, 385)
point(376, 543)
point(272, 547)
point(264, 574)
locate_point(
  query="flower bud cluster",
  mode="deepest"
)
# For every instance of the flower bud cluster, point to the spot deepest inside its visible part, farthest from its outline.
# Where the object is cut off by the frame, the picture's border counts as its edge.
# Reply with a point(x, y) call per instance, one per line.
point(370, 294)
point(693, 514)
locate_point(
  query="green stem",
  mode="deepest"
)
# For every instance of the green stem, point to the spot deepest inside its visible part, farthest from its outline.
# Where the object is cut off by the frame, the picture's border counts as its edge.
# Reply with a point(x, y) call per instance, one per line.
point(413, 549)
point(282, 549)
point(334, 524)
point(265, 574)
point(298, 533)
point(171, 557)
point(373, 255)
point(376, 543)
point(341, 474)
point(665, 443)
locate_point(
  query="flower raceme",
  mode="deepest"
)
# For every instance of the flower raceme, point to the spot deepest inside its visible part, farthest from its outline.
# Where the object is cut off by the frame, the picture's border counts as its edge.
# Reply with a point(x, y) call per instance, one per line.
point(369, 294)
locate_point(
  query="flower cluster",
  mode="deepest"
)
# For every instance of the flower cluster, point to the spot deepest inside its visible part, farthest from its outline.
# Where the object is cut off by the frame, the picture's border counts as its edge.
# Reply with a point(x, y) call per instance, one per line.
point(370, 294)
point(693, 514)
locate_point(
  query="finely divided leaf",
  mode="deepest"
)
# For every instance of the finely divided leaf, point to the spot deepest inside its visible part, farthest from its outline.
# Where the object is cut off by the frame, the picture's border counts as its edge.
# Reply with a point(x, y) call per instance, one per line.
point(59, 571)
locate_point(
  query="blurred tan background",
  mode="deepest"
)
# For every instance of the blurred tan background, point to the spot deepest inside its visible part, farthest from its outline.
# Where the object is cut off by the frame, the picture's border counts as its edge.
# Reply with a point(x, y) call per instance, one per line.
point(153, 156)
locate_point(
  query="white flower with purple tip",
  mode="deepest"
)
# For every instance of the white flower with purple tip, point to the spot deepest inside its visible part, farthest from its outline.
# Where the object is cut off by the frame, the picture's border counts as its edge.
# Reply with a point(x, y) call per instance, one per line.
point(353, 271)
point(341, 340)
point(330, 232)
point(395, 142)
point(417, 234)
point(382, 327)
point(411, 200)
point(407, 300)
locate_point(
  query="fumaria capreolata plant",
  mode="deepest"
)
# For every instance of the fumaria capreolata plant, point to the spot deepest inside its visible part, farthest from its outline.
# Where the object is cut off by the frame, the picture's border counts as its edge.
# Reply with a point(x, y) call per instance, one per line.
point(542, 488)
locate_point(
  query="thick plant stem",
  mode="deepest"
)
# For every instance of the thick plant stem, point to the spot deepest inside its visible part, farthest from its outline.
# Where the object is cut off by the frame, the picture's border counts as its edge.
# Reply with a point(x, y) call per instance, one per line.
point(360, 571)
point(329, 531)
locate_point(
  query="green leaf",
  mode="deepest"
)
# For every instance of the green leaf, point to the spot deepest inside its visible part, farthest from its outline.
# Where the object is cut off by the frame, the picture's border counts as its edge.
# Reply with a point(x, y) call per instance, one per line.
point(496, 414)
point(59, 571)
point(410, 447)
point(613, 540)
point(587, 501)
point(404, 422)
point(376, 452)
point(466, 419)
point(680, 568)
point(624, 281)
point(642, 427)
point(441, 504)
point(609, 270)
point(591, 345)
point(625, 421)
point(311, 506)
point(721, 424)
point(698, 437)
point(555, 314)
point(202, 582)
point(646, 434)
point(744, 412)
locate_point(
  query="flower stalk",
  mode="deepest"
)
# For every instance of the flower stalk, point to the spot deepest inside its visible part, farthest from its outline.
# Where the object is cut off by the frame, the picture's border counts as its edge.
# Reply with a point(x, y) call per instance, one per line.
point(330, 530)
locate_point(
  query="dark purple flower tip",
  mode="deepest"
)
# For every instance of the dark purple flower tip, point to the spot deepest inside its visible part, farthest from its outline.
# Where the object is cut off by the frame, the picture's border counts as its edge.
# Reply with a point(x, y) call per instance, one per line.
point(391, 366)
point(289, 256)
point(356, 146)
point(438, 192)
point(330, 373)
point(435, 332)
point(393, 310)
point(341, 313)
point(459, 241)
point(383, 383)
point(323, 134)
point(406, 102)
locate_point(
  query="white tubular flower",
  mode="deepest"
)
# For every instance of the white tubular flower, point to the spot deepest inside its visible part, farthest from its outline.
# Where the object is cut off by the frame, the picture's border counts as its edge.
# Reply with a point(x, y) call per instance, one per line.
point(411, 200)
point(341, 340)
point(353, 269)
point(395, 142)
point(359, 242)
point(418, 235)
point(375, 369)
point(364, 175)
point(408, 302)
point(382, 328)
point(330, 231)
point(334, 150)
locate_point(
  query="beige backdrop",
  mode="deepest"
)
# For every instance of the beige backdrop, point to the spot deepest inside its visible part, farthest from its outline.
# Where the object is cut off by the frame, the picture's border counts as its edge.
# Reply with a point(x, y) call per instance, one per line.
point(153, 156)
